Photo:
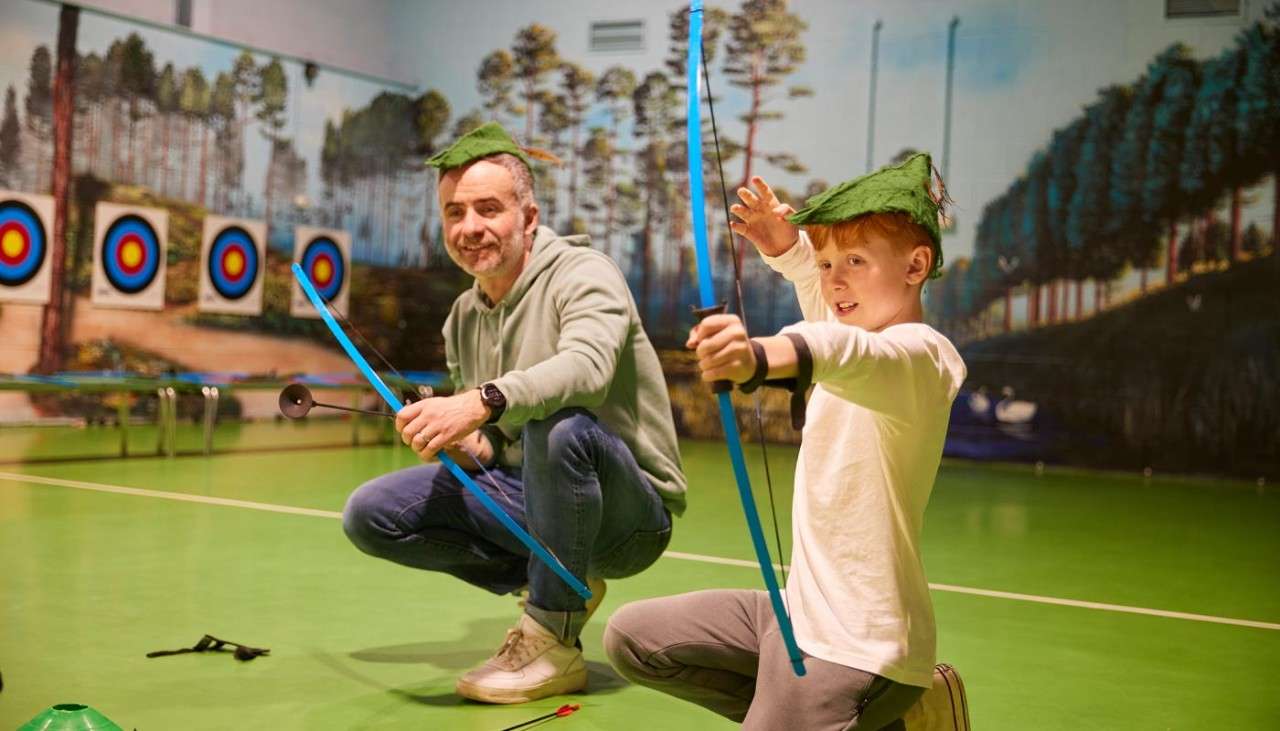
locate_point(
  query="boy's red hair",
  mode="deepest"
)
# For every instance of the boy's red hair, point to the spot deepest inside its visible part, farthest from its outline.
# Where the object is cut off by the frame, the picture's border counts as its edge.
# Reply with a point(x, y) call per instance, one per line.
point(898, 228)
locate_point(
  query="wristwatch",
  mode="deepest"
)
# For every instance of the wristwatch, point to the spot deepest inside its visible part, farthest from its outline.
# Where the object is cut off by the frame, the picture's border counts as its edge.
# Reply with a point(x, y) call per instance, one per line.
point(493, 398)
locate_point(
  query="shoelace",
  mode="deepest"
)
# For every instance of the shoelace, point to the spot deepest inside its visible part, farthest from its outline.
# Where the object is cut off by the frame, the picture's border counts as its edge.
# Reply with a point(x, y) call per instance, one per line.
point(511, 654)
point(517, 649)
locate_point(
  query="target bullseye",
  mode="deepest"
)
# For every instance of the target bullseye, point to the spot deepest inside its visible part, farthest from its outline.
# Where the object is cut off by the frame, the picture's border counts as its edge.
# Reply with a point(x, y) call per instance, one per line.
point(323, 262)
point(22, 243)
point(129, 249)
point(325, 256)
point(131, 254)
point(233, 263)
point(323, 270)
point(13, 244)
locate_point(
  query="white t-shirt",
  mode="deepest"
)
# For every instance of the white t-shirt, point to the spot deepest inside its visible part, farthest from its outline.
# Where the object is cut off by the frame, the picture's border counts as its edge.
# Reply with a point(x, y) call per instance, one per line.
point(869, 454)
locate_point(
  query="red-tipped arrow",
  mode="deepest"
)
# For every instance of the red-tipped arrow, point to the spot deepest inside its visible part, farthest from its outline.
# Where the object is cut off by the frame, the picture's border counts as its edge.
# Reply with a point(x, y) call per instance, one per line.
point(565, 710)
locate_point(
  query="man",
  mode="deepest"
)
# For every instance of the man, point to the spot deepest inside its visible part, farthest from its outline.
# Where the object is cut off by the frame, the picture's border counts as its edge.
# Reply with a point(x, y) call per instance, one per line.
point(559, 391)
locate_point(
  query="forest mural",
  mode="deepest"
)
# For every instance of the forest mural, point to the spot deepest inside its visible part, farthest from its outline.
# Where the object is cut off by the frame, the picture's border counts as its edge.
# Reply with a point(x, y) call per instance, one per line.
point(1150, 177)
point(1120, 283)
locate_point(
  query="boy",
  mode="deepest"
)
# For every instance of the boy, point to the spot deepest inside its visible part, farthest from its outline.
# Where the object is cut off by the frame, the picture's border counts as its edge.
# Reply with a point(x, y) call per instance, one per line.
point(868, 457)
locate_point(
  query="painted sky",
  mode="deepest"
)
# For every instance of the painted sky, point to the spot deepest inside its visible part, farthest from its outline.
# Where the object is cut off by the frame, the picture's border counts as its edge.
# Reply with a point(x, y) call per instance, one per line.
point(1023, 69)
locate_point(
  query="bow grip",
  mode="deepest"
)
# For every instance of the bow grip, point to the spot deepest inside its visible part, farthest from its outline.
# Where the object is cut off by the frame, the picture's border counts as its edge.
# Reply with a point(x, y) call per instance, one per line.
point(411, 395)
point(703, 313)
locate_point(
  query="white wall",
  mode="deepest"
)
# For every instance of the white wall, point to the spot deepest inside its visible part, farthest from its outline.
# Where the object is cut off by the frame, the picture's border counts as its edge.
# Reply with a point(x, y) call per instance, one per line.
point(352, 35)
point(436, 43)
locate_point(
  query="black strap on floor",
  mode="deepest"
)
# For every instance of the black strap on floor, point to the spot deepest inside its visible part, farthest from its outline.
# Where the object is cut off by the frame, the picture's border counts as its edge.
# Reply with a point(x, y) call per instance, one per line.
point(209, 643)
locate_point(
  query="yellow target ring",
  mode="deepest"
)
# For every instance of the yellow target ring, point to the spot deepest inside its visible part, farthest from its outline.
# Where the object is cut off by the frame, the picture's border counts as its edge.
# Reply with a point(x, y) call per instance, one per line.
point(13, 244)
point(234, 263)
point(131, 254)
point(324, 270)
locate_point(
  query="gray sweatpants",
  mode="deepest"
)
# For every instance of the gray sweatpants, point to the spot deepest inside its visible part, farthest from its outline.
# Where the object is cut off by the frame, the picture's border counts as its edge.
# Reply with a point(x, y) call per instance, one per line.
point(722, 650)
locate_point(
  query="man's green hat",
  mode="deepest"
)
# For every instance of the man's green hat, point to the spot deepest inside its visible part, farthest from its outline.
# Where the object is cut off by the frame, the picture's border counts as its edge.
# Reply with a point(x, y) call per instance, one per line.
point(903, 188)
point(487, 139)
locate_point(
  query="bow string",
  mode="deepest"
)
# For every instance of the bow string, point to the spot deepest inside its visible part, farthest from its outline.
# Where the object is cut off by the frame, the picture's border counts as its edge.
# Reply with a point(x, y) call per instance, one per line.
point(709, 305)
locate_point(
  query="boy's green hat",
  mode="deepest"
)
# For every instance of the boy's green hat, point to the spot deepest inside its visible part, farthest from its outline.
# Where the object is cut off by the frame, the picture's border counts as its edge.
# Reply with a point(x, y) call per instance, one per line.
point(903, 188)
point(487, 139)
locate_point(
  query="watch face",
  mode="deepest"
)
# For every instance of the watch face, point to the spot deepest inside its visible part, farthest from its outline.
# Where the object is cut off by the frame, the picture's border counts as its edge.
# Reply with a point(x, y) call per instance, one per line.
point(492, 396)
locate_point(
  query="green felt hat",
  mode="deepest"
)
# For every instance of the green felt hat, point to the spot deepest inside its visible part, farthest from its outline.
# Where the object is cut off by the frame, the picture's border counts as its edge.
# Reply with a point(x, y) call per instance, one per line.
point(487, 139)
point(903, 188)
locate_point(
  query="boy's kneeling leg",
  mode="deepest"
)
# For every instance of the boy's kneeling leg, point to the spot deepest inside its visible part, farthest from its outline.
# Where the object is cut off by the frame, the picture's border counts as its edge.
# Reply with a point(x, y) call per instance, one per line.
point(699, 647)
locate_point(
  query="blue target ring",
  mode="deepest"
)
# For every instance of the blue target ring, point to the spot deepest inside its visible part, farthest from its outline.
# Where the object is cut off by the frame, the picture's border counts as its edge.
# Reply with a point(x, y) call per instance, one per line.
point(233, 263)
point(323, 263)
point(23, 243)
point(130, 254)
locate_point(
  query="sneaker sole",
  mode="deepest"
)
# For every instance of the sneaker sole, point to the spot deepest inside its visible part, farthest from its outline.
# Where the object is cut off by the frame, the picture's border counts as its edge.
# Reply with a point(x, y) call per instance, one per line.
point(571, 683)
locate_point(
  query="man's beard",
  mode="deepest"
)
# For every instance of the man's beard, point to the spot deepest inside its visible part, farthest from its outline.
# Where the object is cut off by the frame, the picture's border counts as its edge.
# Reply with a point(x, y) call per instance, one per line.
point(497, 258)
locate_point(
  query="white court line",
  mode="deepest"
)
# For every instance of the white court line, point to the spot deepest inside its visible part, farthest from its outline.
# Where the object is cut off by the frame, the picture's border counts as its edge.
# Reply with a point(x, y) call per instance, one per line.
point(716, 559)
point(182, 497)
point(288, 509)
point(1104, 607)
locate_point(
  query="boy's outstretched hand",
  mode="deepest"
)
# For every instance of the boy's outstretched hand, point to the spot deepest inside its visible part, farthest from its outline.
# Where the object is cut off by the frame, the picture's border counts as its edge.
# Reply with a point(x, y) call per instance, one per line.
point(723, 348)
point(764, 221)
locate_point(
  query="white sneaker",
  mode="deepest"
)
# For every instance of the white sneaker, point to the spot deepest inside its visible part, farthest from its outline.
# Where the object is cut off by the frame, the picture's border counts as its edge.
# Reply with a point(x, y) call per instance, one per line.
point(531, 664)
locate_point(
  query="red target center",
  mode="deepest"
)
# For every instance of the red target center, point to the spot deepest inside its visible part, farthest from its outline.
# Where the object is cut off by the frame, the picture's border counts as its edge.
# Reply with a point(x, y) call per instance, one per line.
point(15, 243)
point(322, 269)
point(131, 254)
point(234, 263)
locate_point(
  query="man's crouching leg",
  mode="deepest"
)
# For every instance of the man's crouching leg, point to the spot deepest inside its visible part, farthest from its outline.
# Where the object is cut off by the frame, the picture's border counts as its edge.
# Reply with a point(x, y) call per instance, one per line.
point(593, 508)
point(422, 517)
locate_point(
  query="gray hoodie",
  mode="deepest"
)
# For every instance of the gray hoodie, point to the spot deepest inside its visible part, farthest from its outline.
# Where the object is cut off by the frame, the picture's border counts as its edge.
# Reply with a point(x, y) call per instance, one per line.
point(568, 334)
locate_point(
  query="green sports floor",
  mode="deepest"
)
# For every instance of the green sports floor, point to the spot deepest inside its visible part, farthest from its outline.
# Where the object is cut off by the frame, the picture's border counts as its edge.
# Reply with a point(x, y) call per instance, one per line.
point(1070, 600)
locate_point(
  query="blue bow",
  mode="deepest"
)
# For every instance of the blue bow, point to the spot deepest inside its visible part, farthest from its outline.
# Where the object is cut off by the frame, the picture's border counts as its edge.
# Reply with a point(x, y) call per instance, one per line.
point(537, 549)
point(707, 298)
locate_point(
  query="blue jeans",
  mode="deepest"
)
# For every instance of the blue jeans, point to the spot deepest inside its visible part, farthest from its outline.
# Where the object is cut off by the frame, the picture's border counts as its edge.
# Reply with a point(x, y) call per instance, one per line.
point(580, 493)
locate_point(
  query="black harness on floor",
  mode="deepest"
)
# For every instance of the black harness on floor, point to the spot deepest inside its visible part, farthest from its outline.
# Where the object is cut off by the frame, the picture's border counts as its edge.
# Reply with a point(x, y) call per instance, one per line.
point(209, 643)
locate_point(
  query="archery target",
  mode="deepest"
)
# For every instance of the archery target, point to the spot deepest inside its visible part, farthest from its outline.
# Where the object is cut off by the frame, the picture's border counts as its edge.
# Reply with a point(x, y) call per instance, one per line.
point(325, 256)
point(26, 222)
point(232, 260)
point(130, 245)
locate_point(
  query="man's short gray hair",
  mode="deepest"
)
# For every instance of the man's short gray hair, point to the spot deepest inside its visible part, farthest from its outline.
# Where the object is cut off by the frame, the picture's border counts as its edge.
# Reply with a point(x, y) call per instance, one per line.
point(519, 173)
